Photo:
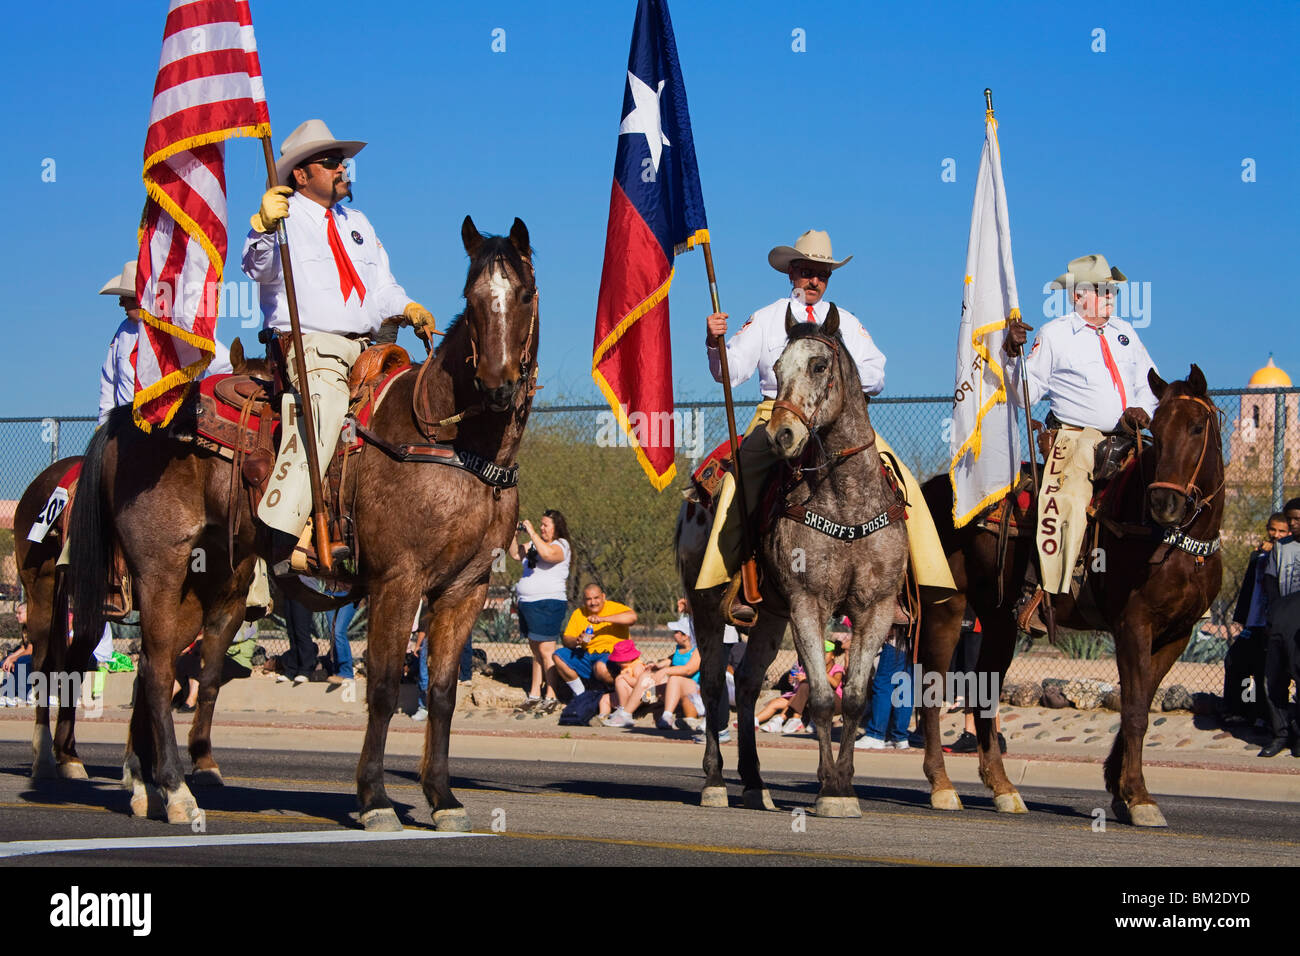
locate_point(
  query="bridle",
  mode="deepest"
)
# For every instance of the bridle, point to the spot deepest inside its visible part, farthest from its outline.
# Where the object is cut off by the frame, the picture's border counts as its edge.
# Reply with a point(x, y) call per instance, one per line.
point(833, 459)
point(1190, 491)
point(428, 427)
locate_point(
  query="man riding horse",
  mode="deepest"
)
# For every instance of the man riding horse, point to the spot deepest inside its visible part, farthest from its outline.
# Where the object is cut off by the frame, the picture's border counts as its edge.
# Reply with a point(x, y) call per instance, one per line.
point(1092, 368)
point(345, 292)
point(756, 347)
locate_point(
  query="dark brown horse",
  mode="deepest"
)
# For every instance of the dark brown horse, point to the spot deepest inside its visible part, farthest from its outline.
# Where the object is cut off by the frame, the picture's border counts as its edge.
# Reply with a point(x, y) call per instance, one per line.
point(1150, 595)
point(815, 574)
point(422, 530)
point(47, 608)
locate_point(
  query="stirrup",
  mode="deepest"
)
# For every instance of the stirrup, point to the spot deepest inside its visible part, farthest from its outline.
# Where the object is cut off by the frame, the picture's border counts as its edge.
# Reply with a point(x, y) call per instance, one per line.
point(304, 559)
point(1029, 611)
point(734, 611)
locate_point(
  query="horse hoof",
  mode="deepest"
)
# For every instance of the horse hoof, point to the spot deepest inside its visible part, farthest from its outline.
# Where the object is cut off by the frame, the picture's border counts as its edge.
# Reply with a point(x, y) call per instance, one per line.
point(73, 770)
point(382, 820)
point(454, 820)
point(1009, 803)
point(837, 807)
point(760, 799)
point(1146, 815)
point(945, 800)
point(140, 803)
point(181, 807)
point(714, 797)
point(44, 771)
point(207, 777)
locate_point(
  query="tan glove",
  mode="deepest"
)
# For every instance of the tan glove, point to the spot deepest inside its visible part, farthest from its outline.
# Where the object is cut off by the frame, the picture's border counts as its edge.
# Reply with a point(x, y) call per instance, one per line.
point(275, 206)
point(421, 319)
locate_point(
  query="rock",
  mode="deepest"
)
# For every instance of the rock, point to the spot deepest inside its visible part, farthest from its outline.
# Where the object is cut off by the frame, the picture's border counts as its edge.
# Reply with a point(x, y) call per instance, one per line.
point(1111, 699)
point(1054, 681)
point(1041, 734)
point(1007, 690)
point(1178, 697)
point(1026, 695)
point(489, 693)
point(1092, 740)
point(1086, 693)
point(1053, 696)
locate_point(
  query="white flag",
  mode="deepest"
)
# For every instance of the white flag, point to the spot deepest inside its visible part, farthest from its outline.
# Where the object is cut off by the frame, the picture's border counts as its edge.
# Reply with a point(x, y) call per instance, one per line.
point(985, 441)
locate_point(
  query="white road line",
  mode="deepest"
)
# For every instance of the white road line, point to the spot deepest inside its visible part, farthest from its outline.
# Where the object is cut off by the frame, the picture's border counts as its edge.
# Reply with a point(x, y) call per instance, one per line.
point(30, 847)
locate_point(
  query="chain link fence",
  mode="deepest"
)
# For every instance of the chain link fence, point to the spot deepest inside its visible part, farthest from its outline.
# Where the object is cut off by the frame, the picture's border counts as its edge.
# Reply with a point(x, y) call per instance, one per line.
point(574, 459)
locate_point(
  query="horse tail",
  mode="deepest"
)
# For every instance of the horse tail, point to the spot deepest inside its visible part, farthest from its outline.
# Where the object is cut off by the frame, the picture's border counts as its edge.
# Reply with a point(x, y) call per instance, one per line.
point(90, 535)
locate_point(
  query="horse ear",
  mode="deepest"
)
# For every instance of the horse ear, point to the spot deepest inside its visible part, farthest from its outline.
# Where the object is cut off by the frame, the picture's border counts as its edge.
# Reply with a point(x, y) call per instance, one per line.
point(1197, 380)
point(789, 320)
point(237, 356)
point(1158, 384)
point(470, 235)
point(519, 236)
point(832, 323)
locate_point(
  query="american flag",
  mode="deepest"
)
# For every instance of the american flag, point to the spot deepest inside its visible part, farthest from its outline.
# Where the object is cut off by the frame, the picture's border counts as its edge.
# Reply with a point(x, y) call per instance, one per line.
point(209, 88)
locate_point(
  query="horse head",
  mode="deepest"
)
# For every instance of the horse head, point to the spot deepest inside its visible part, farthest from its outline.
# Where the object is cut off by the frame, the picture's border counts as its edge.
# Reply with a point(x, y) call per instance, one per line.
point(1189, 450)
point(500, 311)
point(812, 380)
point(241, 364)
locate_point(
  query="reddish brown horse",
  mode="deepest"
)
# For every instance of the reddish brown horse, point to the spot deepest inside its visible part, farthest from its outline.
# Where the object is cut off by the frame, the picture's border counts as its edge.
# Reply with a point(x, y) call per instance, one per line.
point(422, 530)
point(47, 606)
point(1150, 595)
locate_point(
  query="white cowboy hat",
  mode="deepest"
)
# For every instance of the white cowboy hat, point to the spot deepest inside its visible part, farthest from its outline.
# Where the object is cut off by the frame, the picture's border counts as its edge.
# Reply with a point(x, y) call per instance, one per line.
point(814, 245)
point(1093, 270)
point(307, 140)
point(123, 284)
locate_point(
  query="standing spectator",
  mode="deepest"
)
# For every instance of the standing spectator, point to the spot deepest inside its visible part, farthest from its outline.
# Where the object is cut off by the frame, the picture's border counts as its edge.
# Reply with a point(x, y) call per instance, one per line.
point(419, 646)
point(1245, 658)
point(888, 723)
point(299, 661)
point(343, 670)
point(1282, 664)
point(542, 600)
point(583, 655)
point(965, 659)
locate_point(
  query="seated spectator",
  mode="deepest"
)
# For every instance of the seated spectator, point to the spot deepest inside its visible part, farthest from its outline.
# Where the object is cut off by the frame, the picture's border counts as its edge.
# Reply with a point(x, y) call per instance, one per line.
point(798, 700)
point(678, 675)
point(583, 655)
point(771, 719)
point(238, 663)
point(16, 674)
point(627, 668)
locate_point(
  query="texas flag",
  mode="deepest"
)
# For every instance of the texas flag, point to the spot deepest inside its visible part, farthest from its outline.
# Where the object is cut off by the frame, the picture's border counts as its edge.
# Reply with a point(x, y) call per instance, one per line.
point(655, 211)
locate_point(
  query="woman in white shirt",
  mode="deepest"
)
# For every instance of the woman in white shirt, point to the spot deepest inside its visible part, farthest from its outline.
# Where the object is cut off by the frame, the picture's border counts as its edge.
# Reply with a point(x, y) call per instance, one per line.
point(543, 600)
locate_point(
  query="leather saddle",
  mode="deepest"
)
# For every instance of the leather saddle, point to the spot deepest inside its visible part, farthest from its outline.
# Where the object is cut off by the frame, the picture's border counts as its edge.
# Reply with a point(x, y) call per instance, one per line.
point(237, 416)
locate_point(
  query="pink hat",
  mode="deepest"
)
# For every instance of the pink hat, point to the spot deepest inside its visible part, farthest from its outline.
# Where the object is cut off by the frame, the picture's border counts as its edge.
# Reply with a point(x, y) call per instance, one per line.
point(623, 652)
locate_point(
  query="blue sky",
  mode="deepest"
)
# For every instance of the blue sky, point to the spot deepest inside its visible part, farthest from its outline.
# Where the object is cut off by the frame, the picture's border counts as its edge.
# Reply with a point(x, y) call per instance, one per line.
point(1135, 152)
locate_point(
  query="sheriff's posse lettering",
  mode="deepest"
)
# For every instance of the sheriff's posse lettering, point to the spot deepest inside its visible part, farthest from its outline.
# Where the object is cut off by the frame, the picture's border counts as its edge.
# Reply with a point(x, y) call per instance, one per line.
point(845, 532)
point(77, 909)
point(1189, 544)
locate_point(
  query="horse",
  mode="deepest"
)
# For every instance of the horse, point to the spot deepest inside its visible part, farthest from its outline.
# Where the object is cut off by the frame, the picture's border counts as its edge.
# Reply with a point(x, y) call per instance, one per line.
point(421, 530)
point(1149, 596)
point(44, 587)
point(820, 418)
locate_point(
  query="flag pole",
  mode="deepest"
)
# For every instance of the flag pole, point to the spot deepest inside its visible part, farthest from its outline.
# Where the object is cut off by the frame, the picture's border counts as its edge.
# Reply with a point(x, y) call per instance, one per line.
point(749, 569)
point(324, 559)
point(1048, 615)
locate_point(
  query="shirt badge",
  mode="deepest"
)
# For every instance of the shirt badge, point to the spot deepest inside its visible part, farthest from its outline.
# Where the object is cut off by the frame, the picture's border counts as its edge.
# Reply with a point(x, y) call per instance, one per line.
point(356, 237)
point(1122, 339)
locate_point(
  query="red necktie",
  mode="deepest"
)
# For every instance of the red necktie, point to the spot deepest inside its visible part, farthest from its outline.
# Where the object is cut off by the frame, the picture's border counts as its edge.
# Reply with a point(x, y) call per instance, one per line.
point(348, 278)
point(1111, 366)
point(811, 317)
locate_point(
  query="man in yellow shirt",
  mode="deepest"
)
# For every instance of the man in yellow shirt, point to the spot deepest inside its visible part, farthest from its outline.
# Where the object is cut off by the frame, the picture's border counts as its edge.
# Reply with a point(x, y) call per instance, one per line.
point(583, 657)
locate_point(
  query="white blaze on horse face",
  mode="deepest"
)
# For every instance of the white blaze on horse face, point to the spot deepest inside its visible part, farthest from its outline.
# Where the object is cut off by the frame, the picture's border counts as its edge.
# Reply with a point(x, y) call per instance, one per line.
point(500, 288)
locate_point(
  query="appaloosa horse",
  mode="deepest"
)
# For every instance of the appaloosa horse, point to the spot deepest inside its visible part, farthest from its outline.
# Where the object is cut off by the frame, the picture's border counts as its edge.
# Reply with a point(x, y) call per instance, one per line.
point(45, 590)
point(422, 530)
point(837, 547)
point(1160, 576)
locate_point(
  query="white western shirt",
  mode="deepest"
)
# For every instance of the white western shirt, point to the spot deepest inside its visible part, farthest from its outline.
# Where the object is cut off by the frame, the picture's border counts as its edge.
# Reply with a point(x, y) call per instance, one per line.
point(321, 307)
point(117, 377)
point(761, 340)
point(1066, 366)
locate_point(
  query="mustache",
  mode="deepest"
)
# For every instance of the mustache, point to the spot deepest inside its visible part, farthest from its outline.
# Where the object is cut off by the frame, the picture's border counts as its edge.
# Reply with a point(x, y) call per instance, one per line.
point(344, 189)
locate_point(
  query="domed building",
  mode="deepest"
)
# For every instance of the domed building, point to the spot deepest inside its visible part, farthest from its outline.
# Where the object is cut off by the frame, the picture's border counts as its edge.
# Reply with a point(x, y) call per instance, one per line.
point(1251, 442)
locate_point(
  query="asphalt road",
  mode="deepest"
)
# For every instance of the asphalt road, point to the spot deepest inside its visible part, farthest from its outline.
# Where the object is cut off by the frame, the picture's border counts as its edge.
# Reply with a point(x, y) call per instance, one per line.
point(535, 813)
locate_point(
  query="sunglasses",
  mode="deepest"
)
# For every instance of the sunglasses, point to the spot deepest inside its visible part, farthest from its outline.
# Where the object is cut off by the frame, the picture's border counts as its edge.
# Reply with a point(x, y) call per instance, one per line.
point(329, 162)
point(822, 274)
